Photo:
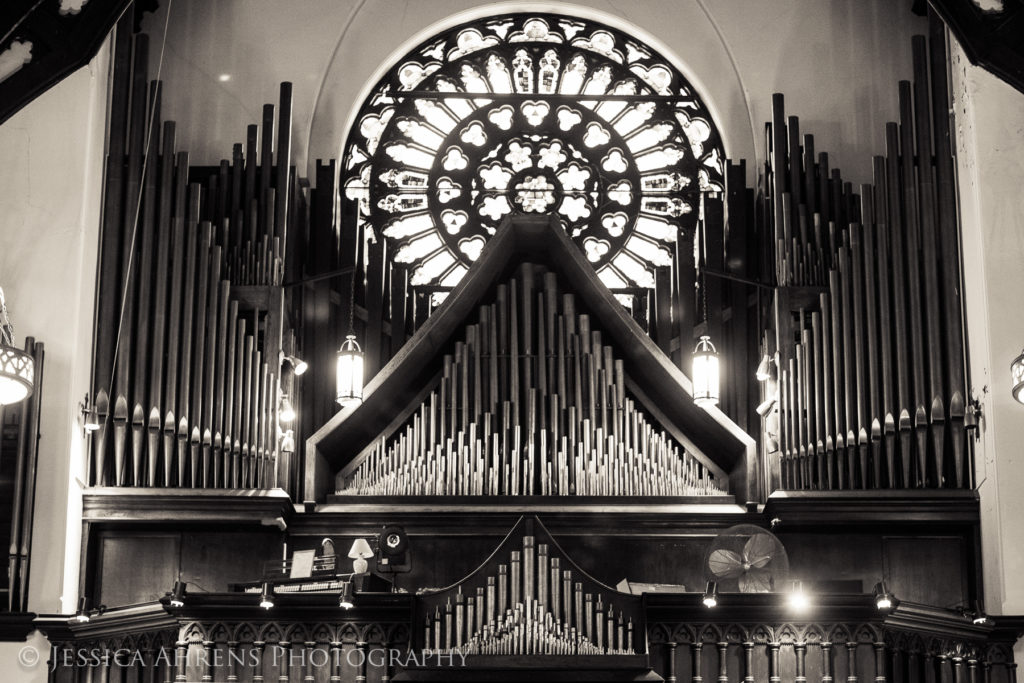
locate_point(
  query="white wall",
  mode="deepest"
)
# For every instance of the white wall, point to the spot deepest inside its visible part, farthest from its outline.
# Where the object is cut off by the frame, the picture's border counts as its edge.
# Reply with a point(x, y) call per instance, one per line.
point(51, 163)
point(990, 147)
point(837, 63)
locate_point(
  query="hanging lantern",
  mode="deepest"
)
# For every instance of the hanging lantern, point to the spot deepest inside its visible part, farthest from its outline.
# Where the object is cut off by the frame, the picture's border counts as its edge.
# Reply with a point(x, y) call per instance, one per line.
point(350, 372)
point(17, 368)
point(705, 373)
point(1017, 377)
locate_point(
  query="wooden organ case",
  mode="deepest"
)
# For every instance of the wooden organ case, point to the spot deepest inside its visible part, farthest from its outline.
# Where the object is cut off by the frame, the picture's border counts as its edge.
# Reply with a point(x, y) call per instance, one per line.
point(531, 393)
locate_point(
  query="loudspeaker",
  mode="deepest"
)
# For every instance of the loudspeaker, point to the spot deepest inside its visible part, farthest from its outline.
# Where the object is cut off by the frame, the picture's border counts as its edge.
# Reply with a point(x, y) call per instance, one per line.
point(393, 550)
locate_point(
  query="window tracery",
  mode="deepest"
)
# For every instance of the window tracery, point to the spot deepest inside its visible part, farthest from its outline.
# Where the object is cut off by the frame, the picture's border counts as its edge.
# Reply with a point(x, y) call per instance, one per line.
point(435, 169)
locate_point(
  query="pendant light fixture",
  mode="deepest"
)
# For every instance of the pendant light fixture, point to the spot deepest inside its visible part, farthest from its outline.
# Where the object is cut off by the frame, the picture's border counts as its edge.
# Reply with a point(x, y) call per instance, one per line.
point(17, 368)
point(1017, 377)
point(349, 378)
point(705, 374)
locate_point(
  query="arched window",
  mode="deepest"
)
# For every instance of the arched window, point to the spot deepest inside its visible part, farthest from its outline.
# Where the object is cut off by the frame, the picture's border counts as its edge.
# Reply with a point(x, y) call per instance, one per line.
point(532, 113)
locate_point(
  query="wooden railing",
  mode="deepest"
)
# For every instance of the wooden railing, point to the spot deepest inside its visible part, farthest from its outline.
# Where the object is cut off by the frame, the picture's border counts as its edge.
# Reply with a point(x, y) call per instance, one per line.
point(747, 638)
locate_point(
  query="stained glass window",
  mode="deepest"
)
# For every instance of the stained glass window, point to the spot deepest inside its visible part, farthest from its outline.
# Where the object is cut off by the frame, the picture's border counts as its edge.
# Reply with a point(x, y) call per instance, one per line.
point(573, 118)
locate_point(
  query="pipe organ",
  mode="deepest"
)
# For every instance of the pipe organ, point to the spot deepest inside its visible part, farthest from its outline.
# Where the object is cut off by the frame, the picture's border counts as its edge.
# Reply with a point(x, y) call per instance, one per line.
point(871, 379)
point(528, 598)
point(190, 317)
point(531, 402)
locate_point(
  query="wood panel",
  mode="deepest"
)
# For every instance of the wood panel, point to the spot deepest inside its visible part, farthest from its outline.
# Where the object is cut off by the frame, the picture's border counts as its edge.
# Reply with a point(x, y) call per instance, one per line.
point(135, 568)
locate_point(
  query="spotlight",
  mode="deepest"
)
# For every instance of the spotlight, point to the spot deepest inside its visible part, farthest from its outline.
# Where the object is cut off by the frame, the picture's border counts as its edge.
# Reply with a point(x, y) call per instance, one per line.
point(764, 369)
point(178, 594)
point(711, 594)
point(267, 596)
point(299, 366)
point(285, 411)
point(766, 405)
point(798, 599)
point(347, 598)
point(883, 598)
point(978, 617)
point(82, 615)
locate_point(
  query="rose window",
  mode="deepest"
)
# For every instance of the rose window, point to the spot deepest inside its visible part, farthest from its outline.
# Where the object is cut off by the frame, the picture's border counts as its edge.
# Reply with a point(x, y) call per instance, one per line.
point(532, 114)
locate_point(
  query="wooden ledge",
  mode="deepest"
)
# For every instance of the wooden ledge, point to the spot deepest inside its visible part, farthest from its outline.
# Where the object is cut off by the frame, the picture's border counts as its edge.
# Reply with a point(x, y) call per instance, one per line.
point(129, 504)
point(888, 507)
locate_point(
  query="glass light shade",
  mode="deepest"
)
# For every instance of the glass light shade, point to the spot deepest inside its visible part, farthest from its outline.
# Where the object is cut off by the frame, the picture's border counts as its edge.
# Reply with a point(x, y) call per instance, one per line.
point(705, 373)
point(178, 594)
point(798, 599)
point(17, 374)
point(267, 596)
point(350, 372)
point(1017, 377)
point(347, 598)
point(360, 548)
point(764, 369)
point(711, 595)
point(299, 366)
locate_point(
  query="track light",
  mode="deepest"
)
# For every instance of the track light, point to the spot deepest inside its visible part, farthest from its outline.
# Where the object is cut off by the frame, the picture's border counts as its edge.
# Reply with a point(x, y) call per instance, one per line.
point(883, 598)
point(299, 366)
point(178, 594)
point(711, 595)
point(82, 615)
point(798, 599)
point(764, 369)
point(267, 596)
point(347, 598)
point(285, 412)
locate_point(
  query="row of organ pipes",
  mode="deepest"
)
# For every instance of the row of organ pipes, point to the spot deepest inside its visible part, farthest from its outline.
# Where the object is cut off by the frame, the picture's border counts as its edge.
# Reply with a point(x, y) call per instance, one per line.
point(871, 380)
point(532, 606)
point(188, 335)
point(531, 402)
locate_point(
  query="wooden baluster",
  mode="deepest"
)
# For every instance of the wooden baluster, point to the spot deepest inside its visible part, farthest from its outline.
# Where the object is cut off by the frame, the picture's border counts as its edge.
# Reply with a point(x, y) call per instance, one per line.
point(897, 666)
point(748, 662)
point(309, 677)
point(944, 669)
point(1011, 672)
point(826, 662)
point(773, 663)
point(257, 661)
point(723, 663)
point(913, 670)
point(336, 660)
point(986, 671)
point(207, 658)
point(958, 669)
point(800, 651)
point(670, 662)
point(880, 662)
point(387, 674)
point(232, 661)
point(851, 658)
point(928, 675)
point(695, 657)
point(284, 674)
point(361, 669)
point(181, 662)
point(972, 670)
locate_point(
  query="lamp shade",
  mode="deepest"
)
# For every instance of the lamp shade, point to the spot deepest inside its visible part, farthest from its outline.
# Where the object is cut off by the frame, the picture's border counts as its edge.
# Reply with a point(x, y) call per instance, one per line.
point(17, 374)
point(1017, 377)
point(350, 372)
point(360, 549)
point(705, 373)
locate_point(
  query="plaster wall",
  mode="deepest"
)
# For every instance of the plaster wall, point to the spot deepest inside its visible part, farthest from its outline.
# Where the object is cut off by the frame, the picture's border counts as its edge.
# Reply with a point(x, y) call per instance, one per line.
point(51, 171)
point(989, 118)
point(837, 63)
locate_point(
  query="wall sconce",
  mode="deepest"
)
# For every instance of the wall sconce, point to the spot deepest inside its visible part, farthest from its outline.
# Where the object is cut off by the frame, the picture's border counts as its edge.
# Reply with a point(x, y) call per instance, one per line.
point(299, 366)
point(288, 442)
point(766, 405)
point(178, 594)
point(711, 595)
point(883, 598)
point(285, 412)
point(17, 368)
point(360, 553)
point(349, 381)
point(267, 595)
point(90, 419)
point(978, 616)
point(1017, 377)
point(347, 598)
point(705, 373)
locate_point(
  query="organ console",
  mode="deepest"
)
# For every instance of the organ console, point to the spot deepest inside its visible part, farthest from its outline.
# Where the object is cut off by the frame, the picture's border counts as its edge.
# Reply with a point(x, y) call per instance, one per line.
point(529, 598)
